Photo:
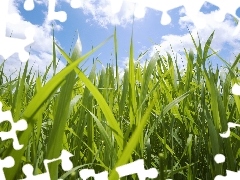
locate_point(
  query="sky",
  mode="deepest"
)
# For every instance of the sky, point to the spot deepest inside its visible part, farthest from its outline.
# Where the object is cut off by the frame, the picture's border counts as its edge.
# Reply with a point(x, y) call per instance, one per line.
point(95, 21)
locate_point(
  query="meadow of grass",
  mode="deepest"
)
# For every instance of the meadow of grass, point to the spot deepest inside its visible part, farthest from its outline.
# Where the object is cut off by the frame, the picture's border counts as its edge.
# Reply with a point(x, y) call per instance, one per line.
point(154, 112)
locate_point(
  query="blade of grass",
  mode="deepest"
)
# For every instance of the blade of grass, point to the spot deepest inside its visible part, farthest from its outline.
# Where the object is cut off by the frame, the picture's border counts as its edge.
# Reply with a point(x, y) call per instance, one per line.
point(38, 100)
point(125, 156)
point(102, 103)
point(55, 142)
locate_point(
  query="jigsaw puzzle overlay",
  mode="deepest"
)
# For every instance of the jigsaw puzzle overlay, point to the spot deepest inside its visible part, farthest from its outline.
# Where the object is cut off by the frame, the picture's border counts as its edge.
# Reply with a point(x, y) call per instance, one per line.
point(220, 158)
point(136, 167)
point(21, 125)
point(9, 46)
point(192, 9)
point(65, 162)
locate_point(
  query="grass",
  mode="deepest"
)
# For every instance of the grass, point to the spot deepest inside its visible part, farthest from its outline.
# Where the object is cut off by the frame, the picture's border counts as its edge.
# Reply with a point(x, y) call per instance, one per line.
point(170, 119)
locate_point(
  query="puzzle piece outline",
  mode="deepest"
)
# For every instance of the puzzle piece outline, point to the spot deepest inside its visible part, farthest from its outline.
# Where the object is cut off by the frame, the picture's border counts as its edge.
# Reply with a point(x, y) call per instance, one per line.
point(52, 14)
point(220, 158)
point(20, 125)
point(166, 19)
point(136, 167)
point(192, 9)
point(65, 162)
point(10, 45)
point(7, 162)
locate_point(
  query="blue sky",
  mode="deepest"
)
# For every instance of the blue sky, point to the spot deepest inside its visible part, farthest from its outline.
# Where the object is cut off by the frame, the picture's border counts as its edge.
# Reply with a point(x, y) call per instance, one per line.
point(95, 22)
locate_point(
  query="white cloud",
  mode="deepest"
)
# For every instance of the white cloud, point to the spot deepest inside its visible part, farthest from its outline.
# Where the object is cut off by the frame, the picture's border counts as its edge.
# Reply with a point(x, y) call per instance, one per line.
point(222, 36)
point(102, 14)
point(41, 49)
point(37, 63)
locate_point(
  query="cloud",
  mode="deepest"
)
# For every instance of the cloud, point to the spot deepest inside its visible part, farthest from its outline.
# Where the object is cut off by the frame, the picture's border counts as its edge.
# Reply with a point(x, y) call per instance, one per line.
point(37, 64)
point(101, 12)
point(222, 37)
point(40, 50)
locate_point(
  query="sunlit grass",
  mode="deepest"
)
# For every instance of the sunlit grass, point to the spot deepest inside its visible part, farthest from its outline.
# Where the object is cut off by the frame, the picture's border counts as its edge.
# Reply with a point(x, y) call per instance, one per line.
point(154, 112)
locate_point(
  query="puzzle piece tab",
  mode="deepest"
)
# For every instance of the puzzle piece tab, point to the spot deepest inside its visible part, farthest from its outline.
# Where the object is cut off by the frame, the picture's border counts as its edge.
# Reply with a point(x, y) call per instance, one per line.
point(87, 173)
point(10, 45)
point(227, 7)
point(137, 167)
point(20, 125)
point(65, 162)
point(227, 133)
point(230, 175)
point(8, 162)
point(52, 14)
point(192, 9)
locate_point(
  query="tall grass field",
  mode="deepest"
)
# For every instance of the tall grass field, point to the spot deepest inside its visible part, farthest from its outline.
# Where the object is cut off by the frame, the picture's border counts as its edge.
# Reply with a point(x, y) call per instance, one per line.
point(156, 112)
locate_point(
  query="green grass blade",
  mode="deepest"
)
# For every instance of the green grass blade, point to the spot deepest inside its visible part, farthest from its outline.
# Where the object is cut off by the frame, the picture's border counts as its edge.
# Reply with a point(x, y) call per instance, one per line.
point(125, 156)
point(132, 82)
point(38, 100)
point(55, 142)
point(102, 103)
